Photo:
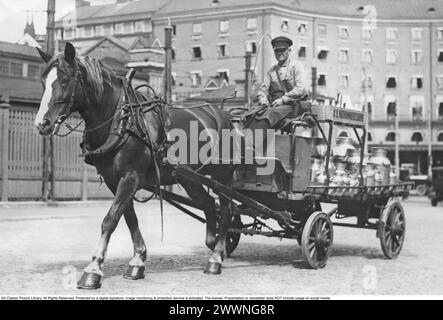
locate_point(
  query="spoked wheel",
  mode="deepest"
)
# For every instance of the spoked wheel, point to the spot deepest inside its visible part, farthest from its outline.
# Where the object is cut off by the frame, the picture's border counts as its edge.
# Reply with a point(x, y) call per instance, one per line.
point(392, 230)
point(316, 240)
point(232, 238)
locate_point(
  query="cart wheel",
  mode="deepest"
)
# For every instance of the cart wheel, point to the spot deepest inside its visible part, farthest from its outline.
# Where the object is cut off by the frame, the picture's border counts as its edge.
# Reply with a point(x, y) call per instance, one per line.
point(392, 228)
point(316, 241)
point(434, 202)
point(233, 239)
point(422, 189)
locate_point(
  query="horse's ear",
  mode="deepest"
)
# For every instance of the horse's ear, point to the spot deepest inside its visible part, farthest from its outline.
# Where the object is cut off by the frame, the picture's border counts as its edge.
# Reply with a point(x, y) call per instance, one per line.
point(46, 57)
point(69, 53)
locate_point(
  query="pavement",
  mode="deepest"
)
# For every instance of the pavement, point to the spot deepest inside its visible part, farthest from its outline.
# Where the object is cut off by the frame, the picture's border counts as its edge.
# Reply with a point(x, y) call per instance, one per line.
point(45, 247)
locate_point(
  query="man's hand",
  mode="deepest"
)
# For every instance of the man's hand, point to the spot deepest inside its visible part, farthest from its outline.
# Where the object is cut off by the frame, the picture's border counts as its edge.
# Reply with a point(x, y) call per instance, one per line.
point(277, 102)
point(263, 102)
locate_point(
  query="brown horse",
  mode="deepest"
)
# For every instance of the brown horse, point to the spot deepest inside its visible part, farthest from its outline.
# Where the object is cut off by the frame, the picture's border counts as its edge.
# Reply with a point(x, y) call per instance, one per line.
point(84, 85)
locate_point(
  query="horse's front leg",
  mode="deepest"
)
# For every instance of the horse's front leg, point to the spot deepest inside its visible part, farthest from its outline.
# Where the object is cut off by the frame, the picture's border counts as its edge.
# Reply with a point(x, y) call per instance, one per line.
point(93, 273)
point(137, 264)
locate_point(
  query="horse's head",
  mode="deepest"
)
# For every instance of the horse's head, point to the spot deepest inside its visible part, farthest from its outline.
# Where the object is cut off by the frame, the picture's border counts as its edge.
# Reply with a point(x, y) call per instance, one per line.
point(60, 82)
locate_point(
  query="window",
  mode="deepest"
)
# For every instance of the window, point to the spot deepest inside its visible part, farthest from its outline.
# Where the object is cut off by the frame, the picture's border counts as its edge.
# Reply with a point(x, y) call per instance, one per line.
point(174, 30)
point(440, 137)
point(390, 137)
point(173, 54)
point(391, 34)
point(391, 83)
point(118, 28)
point(196, 53)
point(343, 55)
point(323, 54)
point(99, 30)
point(224, 74)
point(416, 56)
point(367, 56)
point(59, 34)
point(440, 82)
point(391, 106)
point(369, 104)
point(251, 23)
point(417, 34)
point(17, 69)
point(391, 56)
point(284, 25)
point(343, 134)
point(417, 104)
point(196, 78)
point(81, 32)
point(322, 30)
point(440, 55)
point(416, 82)
point(322, 80)
point(69, 34)
point(89, 32)
point(367, 34)
point(251, 46)
point(139, 26)
point(302, 28)
point(4, 66)
point(108, 29)
point(369, 83)
point(34, 70)
point(224, 26)
point(417, 137)
point(440, 111)
point(302, 52)
point(196, 28)
point(343, 80)
point(223, 50)
point(370, 138)
point(343, 32)
point(440, 33)
point(128, 27)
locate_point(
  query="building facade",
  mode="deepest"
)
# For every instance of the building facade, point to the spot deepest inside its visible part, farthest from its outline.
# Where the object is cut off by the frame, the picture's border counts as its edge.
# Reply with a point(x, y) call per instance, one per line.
point(386, 55)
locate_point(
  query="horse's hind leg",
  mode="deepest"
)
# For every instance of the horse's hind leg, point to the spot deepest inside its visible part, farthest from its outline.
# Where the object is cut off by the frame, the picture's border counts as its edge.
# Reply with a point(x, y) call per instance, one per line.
point(199, 195)
point(93, 274)
point(137, 264)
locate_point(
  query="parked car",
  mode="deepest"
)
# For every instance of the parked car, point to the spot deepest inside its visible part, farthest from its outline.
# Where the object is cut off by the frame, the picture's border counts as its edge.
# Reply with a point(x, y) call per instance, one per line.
point(422, 183)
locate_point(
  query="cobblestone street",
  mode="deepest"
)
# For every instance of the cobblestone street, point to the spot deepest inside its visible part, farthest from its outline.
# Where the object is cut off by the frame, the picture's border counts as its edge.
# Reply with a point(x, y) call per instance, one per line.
point(41, 245)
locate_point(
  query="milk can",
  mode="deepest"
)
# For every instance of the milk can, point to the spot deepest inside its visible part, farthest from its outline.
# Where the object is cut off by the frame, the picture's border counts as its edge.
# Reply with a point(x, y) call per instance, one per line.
point(368, 175)
point(382, 166)
point(315, 169)
point(353, 160)
point(341, 149)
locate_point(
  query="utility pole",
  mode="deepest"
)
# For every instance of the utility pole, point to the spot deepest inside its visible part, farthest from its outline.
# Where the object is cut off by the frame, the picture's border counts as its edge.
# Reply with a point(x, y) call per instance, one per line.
point(48, 142)
point(168, 64)
point(248, 83)
point(431, 100)
point(314, 60)
point(397, 140)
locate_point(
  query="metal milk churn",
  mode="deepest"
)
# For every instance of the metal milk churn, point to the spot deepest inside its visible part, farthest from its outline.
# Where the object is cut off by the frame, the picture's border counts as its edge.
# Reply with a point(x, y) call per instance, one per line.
point(382, 166)
point(315, 169)
point(368, 175)
point(341, 149)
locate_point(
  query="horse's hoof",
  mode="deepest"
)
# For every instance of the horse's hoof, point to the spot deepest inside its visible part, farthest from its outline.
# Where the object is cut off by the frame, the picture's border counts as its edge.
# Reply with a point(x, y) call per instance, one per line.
point(213, 268)
point(135, 273)
point(90, 281)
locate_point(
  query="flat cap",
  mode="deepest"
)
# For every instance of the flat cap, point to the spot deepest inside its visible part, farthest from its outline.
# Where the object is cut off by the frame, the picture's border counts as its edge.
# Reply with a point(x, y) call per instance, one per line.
point(281, 42)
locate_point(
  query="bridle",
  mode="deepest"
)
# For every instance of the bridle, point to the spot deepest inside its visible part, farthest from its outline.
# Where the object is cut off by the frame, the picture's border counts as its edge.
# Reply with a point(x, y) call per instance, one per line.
point(61, 118)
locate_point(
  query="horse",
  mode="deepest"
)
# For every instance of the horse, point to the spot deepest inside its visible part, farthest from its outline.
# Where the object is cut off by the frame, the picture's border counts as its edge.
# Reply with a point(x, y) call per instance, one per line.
point(82, 84)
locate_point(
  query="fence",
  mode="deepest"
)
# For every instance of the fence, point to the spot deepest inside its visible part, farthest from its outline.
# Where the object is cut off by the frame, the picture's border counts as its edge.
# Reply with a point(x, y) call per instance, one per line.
point(21, 162)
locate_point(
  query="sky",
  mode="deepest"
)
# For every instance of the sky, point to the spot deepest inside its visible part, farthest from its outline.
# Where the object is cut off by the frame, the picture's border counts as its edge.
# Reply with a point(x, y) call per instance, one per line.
point(14, 14)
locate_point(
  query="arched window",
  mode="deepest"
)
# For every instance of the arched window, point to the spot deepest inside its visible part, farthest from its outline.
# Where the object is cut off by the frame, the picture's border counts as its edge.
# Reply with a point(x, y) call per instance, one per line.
point(417, 137)
point(391, 109)
point(369, 137)
point(343, 134)
point(390, 137)
point(440, 136)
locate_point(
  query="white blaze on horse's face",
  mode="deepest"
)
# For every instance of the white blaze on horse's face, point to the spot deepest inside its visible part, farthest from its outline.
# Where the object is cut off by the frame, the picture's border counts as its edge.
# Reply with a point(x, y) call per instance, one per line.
point(47, 95)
